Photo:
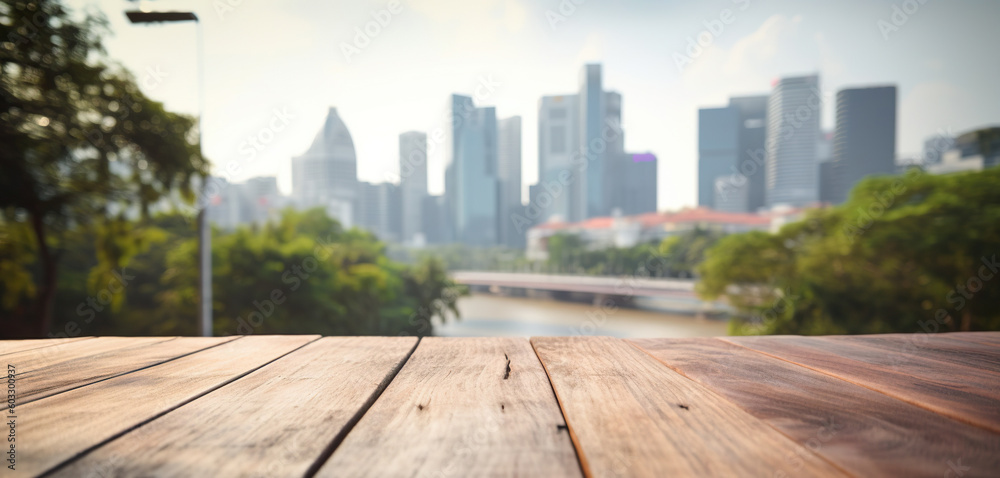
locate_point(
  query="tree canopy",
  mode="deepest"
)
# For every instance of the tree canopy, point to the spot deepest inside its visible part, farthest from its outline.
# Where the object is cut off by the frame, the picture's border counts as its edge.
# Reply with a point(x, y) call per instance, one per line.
point(83, 147)
point(909, 253)
point(301, 273)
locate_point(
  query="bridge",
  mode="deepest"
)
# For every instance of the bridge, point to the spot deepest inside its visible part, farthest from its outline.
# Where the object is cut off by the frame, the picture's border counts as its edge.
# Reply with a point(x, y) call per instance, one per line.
point(622, 289)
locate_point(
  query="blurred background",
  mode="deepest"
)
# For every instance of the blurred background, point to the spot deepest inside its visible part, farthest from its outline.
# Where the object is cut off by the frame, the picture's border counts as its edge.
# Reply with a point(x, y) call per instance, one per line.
point(499, 167)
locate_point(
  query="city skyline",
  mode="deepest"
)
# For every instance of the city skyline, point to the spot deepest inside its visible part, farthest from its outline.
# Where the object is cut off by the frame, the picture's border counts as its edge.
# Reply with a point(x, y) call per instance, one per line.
point(307, 72)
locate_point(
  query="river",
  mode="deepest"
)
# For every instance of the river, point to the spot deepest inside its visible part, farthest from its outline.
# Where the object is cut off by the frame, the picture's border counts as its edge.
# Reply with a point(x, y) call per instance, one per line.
point(486, 315)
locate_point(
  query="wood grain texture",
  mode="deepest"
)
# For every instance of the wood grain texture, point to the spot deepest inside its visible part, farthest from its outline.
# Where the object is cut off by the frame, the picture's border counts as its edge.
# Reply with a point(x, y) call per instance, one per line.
point(939, 347)
point(30, 360)
point(632, 416)
point(862, 431)
point(13, 346)
point(968, 394)
point(69, 371)
point(276, 421)
point(456, 410)
point(987, 338)
point(55, 429)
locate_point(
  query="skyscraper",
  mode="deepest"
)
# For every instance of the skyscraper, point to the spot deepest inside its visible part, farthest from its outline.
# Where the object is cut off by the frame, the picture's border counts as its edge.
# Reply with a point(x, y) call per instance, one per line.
point(616, 165)
point(718, 140)
point(577, 136)
point(377, 209)
point(731, 196)
point(592, 114)
point(636, 190)
point(413, 185)
point(435, 225)
point(864, 141)
point(326, 174)
point(557, 141)
point(827, 182)
point(509, 178)
point(793, 118)
point(471, 172)
point(750, 154)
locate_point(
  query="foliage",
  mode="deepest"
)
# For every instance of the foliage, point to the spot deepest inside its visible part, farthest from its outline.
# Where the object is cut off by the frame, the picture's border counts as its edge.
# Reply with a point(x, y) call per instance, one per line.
point(683, 253)
point(463, 257)
point(675, 256)
point(905, 253)
point(302, 273)
point(83, 149)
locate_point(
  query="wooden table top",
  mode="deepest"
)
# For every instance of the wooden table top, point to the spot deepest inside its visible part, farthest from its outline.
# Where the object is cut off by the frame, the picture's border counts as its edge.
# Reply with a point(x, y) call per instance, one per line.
point(889, 405)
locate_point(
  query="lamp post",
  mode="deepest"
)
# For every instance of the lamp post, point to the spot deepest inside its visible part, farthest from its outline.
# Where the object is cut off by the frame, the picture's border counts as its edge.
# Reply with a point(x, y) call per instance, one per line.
point(204, 231)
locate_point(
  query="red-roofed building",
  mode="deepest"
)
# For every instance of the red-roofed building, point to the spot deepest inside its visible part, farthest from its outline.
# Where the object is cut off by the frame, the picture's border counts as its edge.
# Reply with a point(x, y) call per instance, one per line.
point(627, 231)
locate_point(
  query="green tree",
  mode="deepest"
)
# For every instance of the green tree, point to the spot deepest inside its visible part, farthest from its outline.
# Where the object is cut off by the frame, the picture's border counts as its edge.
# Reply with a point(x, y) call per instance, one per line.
point(305, 274)
point(681, 254)
point(905, 253)
point(82, 147)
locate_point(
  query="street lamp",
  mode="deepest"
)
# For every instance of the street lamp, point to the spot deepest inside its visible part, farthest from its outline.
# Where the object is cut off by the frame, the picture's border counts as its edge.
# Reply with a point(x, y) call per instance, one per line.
point(204, 231)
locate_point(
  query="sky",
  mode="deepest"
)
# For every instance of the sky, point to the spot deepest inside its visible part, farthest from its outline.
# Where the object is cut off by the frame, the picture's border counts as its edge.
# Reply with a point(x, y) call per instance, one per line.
point(273, 69)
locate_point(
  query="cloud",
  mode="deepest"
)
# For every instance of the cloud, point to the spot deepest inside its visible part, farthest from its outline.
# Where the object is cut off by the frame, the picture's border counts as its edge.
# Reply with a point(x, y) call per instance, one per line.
point(931, 108)
point(478, 26)
point(592, 49)
point(756, 58)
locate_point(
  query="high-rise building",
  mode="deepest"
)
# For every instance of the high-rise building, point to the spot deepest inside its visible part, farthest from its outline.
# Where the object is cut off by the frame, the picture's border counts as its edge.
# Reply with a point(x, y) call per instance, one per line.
point(864, 141)
point(471, 172)
point(509, 181)
point(592, 111)
point(557, 141)
point(436, 229)
point(617, 166)
point(751, 149)
point(326, 174)
point(377, 209)
point(731, 196)
point(827, 182)
point(793, 128)
point(635, 191)
point(731, 155)
point(412, 185)
point(718, 140)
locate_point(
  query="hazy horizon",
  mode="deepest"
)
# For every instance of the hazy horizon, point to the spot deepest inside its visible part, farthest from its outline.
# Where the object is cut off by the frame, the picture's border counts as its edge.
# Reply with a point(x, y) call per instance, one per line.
point(289, 57)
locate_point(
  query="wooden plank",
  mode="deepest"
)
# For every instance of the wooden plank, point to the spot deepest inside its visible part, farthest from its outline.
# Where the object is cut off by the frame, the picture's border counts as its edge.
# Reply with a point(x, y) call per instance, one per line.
point(276, 421)
point(941, 348)
point(630, 415)
point(862, 431)
point(56, 429)
point(456, 409)
point(986, 338)
point(31, 360)
point(964, 393)
point(14, 346)
point(63, 375)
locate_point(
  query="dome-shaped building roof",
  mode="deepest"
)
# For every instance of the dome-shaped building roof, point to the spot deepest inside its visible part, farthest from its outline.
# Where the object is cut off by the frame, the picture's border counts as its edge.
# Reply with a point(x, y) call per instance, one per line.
point(333, 139)
point(326, 174)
